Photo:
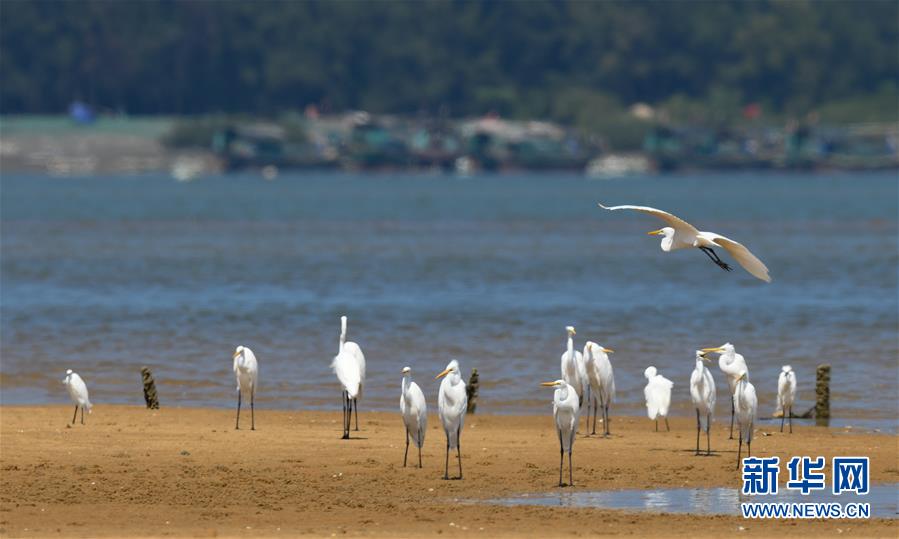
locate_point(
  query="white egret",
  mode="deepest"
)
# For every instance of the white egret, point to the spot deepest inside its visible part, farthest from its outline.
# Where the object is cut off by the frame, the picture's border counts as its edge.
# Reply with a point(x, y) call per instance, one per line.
point(602, 381)
point(346, 367)
point(732, 365)
point(574, 370)
point(681, 235)
point(747, 405)
point(246, 370)
point(658, 396)
point(415, 413)
point(452, 402)
point(786, 394)
point(78, 392)
point(356, 351)
point(702, 393)
point(566, 410)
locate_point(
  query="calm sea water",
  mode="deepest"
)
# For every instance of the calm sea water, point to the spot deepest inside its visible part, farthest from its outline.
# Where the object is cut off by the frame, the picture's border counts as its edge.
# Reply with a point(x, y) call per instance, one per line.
point(104, 275)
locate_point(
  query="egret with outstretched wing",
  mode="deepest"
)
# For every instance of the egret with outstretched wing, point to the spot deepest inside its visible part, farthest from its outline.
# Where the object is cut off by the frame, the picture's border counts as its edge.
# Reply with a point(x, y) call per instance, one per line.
point(680, 234)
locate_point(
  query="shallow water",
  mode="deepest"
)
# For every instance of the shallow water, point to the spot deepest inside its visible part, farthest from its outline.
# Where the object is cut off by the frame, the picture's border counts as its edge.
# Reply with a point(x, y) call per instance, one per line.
point(702, 501)
point(104, 275)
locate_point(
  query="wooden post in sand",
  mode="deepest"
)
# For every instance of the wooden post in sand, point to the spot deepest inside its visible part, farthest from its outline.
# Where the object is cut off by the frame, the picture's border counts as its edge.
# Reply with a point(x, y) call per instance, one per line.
point(149, 389)
point(472, 391)
point(822, 395)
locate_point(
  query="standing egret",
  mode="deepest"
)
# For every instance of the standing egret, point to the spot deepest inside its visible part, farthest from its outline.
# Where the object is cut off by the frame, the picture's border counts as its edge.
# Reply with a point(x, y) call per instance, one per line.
point(452, 401)
point(786, 394)
point(353, 349)
point(602, 381)
point(565, 414)
point(747, 405)
point(702, 392)
point(246, 370)
point(731, 364)
point(574, 371)
point(658, 396)
point(681, 235)
point(415, 413)
point(78, 392)
point(346, 367)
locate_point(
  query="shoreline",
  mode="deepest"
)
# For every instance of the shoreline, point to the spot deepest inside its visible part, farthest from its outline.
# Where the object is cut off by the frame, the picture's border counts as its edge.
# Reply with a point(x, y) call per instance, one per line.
point(186, 472)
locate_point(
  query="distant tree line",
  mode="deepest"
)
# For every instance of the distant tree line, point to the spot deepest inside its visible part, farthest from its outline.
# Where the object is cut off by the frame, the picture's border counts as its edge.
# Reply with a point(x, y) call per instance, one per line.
point(454, 57)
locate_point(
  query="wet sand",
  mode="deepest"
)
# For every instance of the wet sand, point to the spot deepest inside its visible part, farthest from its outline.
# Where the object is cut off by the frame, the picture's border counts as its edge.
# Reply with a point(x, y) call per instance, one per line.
point(186, 472)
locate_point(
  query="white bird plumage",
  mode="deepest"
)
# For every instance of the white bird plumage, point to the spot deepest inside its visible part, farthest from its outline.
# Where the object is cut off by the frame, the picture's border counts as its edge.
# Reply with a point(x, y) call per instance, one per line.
point(414, 408)
point(602, 381)
point(452, 403)
point(246, 371)
point(354, 350)
point(681, 235)
point(78, 392)
point(746, 403)
point(566, 414)
point(786, 394)
point(732, 365)
point(658, 396)
point(574, 370)
point(702, 393)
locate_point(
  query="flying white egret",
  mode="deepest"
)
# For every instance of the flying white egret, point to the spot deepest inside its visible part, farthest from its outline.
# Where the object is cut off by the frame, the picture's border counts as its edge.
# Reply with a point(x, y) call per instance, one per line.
point(747, 405)
point(681, 235)
point(78, 392)
point(731, 364)
point(786, 394)
point(702, 392)
point(602, 381)
point(246, 370)
point(452, 402)
point(346, 367)
point(353, 349)
point(415, 413)
point(658, 396)
point(574, 370)
point(566, 410)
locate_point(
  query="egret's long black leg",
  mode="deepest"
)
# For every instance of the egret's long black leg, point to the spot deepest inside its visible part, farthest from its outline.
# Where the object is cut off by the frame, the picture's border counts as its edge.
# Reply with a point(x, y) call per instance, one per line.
point(82, 415)
point(420, 443)
point(570, 466)
point(74, 417)
point(698, 428)
point(356, 406)
point(708, 436)
point(739, 448)
point(459, 449)
point(597, 407)
point(237, 425)
point(406, 454)
point(731, 437)
point(606, 420)
point(791, 420)
point(667, 428)
point(657, 424)
point(713, 256)
point(253, 410)
point(446, 464)
point(782, 419)
point(347, 412)
point(561, 457)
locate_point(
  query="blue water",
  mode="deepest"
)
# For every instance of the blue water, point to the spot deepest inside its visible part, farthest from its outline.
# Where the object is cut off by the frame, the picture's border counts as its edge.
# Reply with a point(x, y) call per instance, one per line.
point(884, 500)
point(106, 274)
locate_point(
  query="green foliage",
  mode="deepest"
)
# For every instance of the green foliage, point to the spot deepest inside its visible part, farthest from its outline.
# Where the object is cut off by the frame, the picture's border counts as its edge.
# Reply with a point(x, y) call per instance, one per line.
point(453, 57)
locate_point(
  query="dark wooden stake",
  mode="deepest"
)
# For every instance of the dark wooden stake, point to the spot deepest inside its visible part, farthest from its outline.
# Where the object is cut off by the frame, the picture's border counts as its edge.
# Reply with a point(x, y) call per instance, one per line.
point(472, 391)
point(822, 395)
point(149, 389)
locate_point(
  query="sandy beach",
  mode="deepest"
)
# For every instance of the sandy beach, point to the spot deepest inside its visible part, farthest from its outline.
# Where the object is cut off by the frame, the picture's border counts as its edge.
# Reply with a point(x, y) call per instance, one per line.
point(186, 472)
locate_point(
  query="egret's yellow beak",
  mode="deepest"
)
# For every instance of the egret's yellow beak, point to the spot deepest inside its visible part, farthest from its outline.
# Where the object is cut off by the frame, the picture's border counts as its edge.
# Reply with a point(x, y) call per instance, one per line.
point(716, 349)
point(442, 374)
point(658, 232)
point(236, 353)
point(608, 350)
point(547, 384)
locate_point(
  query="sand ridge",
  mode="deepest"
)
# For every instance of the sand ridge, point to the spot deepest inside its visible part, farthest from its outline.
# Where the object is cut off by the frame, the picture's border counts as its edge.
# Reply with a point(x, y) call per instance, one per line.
point(186, 472)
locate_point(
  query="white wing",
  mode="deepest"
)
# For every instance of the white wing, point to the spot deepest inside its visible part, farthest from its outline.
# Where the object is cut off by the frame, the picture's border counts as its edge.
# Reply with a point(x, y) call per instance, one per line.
point(347, 370)
point(353, 349)
point(742, 255)
point(678, 224)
